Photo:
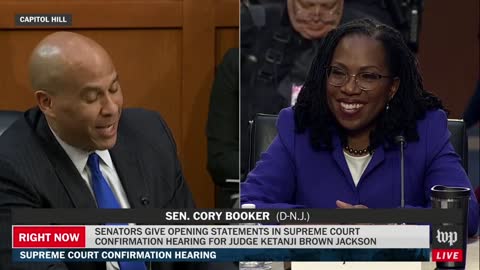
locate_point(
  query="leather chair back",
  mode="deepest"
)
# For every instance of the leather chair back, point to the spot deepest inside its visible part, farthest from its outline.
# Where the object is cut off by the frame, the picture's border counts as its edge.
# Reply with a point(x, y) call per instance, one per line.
point(262, 132)
point(459, 139)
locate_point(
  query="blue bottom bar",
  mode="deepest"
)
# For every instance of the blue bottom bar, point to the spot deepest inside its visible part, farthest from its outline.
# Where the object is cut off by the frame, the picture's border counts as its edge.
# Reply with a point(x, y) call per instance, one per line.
point(218, 255)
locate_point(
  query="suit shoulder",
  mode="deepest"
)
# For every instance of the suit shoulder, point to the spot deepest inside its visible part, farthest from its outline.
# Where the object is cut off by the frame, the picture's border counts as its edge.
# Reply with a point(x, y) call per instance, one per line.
point(434, 119)
point(286, 120)
point(286, 127)
point(433, 130)
point(436, 115)
point(136, 119)
point(286, 116)
point(18, 139)
point(145, 126)
point(133, 114)
point(231, 58)
point(22, 154)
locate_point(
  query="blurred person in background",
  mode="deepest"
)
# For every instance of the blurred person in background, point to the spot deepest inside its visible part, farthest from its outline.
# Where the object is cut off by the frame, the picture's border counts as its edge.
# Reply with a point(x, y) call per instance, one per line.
point(222, 130)
point(471, 116)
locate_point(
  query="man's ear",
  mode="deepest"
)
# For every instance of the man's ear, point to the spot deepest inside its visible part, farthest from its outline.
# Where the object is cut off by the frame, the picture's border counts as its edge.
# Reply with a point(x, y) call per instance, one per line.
point(44, 102)
point(394, 87)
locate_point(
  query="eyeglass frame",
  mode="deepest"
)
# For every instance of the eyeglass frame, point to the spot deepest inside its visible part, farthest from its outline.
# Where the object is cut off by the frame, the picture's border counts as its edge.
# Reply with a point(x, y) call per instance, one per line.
point(381, 76)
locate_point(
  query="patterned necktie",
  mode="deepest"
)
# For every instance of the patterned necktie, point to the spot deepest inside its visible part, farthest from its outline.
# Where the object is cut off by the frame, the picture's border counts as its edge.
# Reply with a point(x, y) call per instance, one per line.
point(106, 199)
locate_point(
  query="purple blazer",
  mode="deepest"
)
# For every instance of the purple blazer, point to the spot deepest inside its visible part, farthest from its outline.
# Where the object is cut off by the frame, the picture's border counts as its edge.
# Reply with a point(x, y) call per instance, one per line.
point(290, 174)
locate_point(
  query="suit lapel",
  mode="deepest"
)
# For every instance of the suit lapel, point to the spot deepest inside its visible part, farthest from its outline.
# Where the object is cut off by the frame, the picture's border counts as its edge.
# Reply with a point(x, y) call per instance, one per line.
point(67, 173)
point(339, 158)
point(377, 159)
point(129, 169)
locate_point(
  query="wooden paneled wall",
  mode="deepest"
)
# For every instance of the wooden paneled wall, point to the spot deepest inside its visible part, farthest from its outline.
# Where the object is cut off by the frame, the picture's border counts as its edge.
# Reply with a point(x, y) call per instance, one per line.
point(449, 52)
point(165, 52)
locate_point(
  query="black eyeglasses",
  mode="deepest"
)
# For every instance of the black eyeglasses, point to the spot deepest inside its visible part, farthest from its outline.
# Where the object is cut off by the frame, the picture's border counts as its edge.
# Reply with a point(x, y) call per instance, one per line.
point(366, 81)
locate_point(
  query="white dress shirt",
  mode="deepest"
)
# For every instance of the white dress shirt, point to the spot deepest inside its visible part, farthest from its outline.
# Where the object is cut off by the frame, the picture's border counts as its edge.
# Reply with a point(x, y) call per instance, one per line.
point(79, 158)
point(357, 165)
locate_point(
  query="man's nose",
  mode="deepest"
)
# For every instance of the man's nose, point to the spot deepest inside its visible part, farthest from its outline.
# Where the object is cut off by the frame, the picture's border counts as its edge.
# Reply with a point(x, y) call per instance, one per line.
point(316, 13)
point(109, 106)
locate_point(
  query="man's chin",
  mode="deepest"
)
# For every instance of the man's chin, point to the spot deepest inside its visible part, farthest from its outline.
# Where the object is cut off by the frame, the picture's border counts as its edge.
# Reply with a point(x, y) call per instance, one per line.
point(314, 33)
point(106, 144)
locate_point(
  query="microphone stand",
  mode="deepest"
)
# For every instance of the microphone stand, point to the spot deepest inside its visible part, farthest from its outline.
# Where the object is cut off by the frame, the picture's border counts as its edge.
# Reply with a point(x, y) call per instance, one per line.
point(401, 140)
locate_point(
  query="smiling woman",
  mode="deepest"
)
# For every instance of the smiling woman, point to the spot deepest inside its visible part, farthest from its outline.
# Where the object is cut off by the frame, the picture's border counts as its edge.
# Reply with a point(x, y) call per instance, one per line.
point(336, 147)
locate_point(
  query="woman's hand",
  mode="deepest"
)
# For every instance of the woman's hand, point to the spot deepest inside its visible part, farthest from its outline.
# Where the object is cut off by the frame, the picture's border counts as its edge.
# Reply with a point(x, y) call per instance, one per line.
point(345, 205)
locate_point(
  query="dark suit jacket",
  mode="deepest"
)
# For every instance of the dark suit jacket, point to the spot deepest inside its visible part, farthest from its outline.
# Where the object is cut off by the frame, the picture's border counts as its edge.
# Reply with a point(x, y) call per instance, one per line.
point(36, 172)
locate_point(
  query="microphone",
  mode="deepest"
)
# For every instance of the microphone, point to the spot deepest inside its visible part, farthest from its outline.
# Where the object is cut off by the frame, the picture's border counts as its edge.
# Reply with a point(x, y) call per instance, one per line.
point(414, 27)
point(401, 140)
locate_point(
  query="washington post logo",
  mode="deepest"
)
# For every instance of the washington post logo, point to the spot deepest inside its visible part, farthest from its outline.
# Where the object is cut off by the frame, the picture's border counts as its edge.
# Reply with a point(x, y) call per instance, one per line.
point(447, 237)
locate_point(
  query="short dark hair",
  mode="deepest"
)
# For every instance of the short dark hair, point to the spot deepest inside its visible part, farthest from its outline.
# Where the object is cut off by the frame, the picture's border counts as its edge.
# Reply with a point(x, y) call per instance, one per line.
point(409, 104)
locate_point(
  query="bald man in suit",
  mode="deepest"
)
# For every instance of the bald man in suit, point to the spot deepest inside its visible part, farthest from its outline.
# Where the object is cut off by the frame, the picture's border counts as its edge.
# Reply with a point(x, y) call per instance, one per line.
point(45, 155)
